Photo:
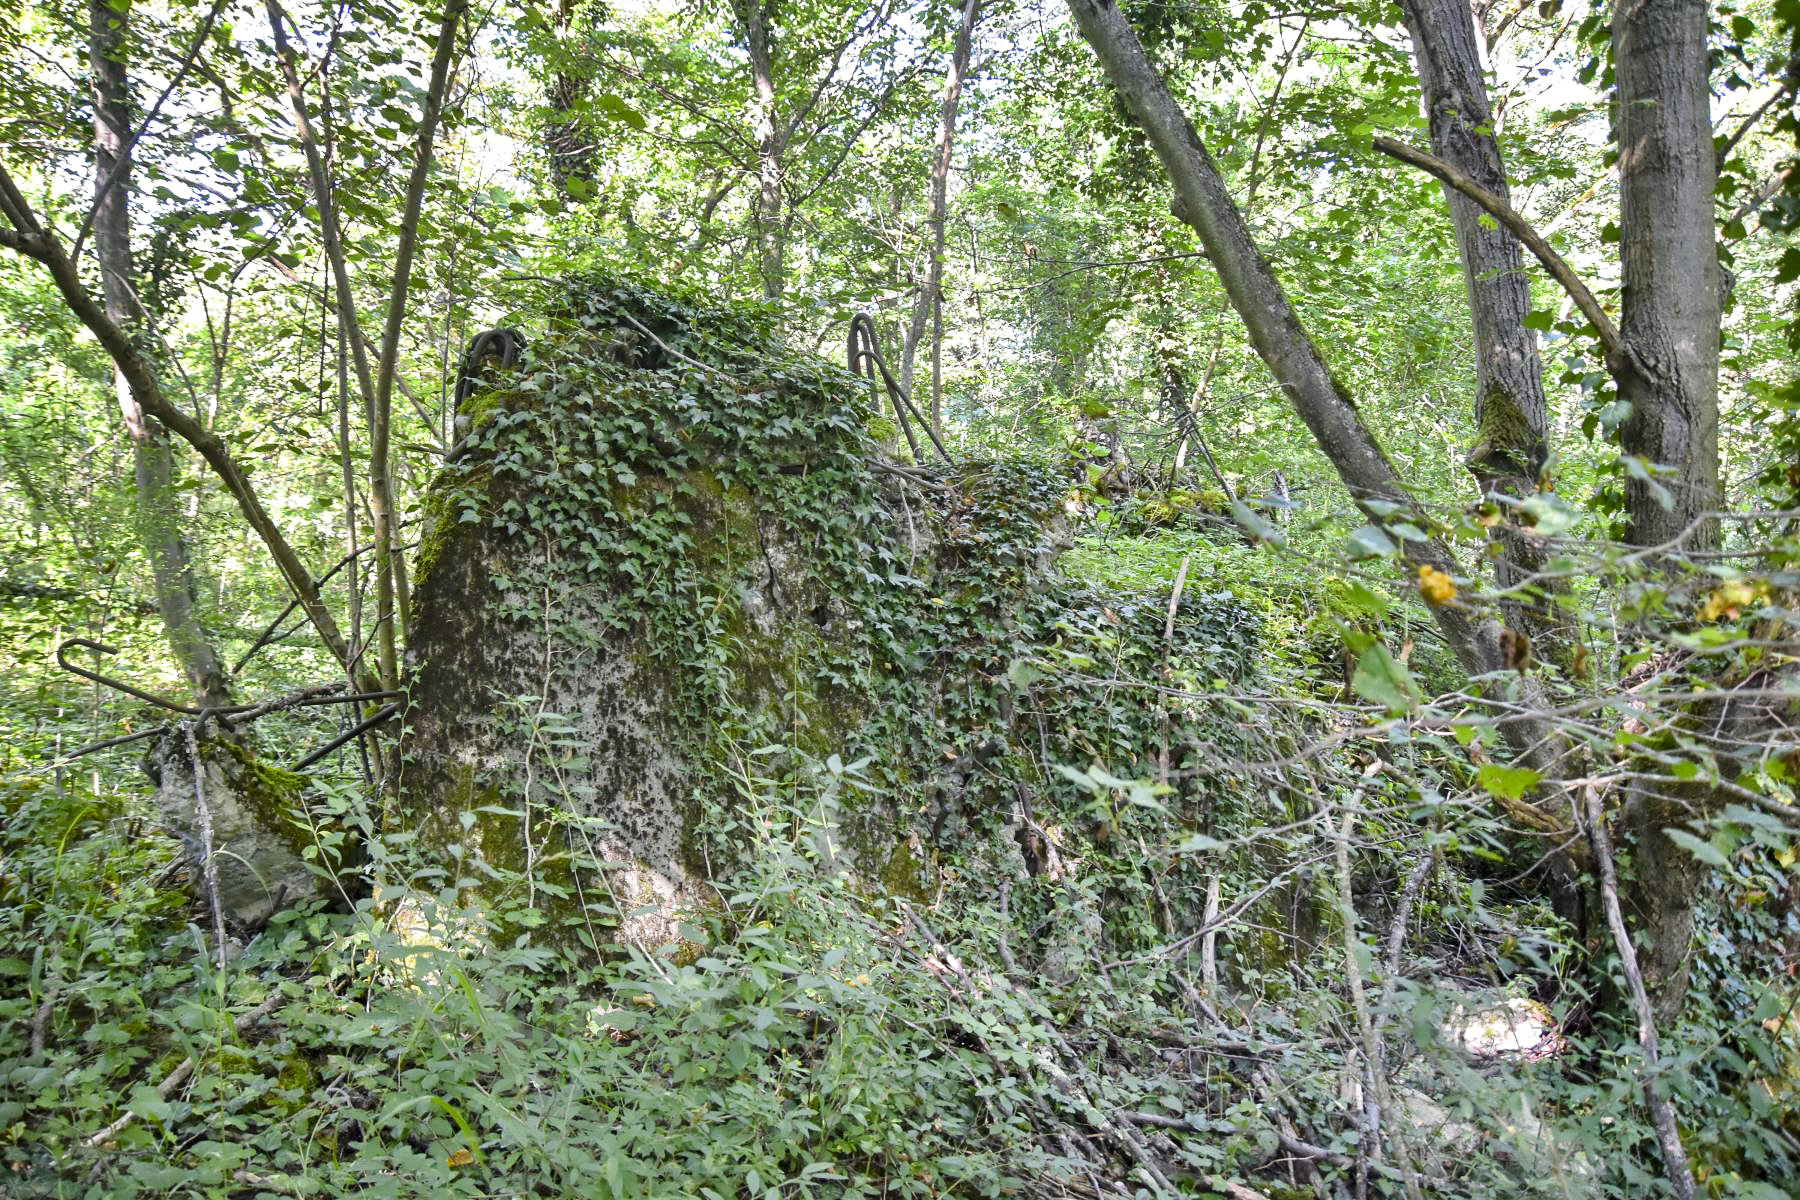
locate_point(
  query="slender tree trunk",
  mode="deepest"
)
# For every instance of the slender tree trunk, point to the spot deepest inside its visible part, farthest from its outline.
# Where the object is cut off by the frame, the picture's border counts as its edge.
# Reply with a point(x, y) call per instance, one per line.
point(1669, 330)
point(388, 552)
point(771, 145)
point(26, 233)
point(1280, 339)
point(325, 199)
point(1510, 407)
point(570, 146)
point(164, 547)
point(926, 303)
point(1288, 351)
point(376, 384)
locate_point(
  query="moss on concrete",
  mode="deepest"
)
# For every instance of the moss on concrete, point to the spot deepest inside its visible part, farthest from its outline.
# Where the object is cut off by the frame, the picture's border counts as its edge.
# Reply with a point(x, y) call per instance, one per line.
point(671, 565)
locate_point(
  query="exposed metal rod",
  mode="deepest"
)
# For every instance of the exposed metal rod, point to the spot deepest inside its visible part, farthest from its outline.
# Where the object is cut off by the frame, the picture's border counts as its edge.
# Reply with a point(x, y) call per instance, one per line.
point(864, 360)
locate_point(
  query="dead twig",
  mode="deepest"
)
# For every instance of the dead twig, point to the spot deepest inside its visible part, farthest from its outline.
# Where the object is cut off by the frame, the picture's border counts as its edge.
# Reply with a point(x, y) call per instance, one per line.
point(1662, 1115)
point(182, 1070)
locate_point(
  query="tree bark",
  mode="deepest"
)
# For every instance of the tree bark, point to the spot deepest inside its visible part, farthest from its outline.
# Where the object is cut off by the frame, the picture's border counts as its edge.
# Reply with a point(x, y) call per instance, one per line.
point(154, 462)
point(1510, 406)
point(926, 303)
point(1668, 372)
point(1283, 343)
point(1670, 270)
point(771, 146)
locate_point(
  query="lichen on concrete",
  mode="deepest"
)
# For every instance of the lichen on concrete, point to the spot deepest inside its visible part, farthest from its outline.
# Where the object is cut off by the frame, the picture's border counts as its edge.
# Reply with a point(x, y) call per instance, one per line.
point(259, 836)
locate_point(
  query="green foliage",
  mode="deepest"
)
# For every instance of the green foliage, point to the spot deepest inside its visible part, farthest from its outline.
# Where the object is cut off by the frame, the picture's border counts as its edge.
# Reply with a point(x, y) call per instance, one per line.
point(795, 1056)
point(1064, 771)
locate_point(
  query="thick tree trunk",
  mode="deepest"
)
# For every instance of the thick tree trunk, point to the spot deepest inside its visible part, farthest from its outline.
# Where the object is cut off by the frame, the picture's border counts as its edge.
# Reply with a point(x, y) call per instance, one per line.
point(1669, 374)
point(771, 146)
point(1669, 256)
point(925, 305)
point(1510, 407)
point(164, 547)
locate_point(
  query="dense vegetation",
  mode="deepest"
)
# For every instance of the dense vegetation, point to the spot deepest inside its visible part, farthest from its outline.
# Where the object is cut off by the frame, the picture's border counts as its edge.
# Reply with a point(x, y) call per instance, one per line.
point(1285, 693)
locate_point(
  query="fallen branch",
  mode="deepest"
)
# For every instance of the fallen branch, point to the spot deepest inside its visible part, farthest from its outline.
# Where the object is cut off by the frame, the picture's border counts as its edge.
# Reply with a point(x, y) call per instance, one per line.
point(1662, 1115)
point(1117, 1128)
point(182, 1070)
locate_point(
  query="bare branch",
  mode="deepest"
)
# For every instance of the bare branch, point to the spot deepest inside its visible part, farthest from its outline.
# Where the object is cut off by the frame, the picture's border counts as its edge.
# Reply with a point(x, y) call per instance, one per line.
point(1662, 1115)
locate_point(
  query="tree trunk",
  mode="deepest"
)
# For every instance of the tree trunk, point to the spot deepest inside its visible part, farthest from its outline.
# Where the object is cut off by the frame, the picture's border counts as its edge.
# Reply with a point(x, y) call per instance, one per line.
point(926, 303)
point(566, 140)
point(1670, 270)
point(771, 145)
point(1668, 372)
point(1510, 408)
point(1274, 327)
point(164, 547)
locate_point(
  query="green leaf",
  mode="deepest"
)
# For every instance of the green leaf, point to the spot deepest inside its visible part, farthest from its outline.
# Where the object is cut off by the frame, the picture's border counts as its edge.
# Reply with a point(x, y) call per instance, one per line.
point(618, 110)
point(1547, 513)
point(1508, 783)
point(1788, 269)
point(1383, 679)
point(1639, 468)
point(1366, 600)
point(1370, 541)
point(1703, 850)
point(1253, 522)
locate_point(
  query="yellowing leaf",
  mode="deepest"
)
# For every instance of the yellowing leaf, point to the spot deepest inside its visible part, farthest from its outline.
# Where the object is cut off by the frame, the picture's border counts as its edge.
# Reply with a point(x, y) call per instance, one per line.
point(462, 1158)
point(1730, 599)
point(1435, 586)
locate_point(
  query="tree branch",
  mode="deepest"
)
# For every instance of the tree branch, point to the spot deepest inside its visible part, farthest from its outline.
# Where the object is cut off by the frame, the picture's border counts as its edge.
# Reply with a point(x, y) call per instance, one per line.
point(1520, 228)
point(44, 247)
